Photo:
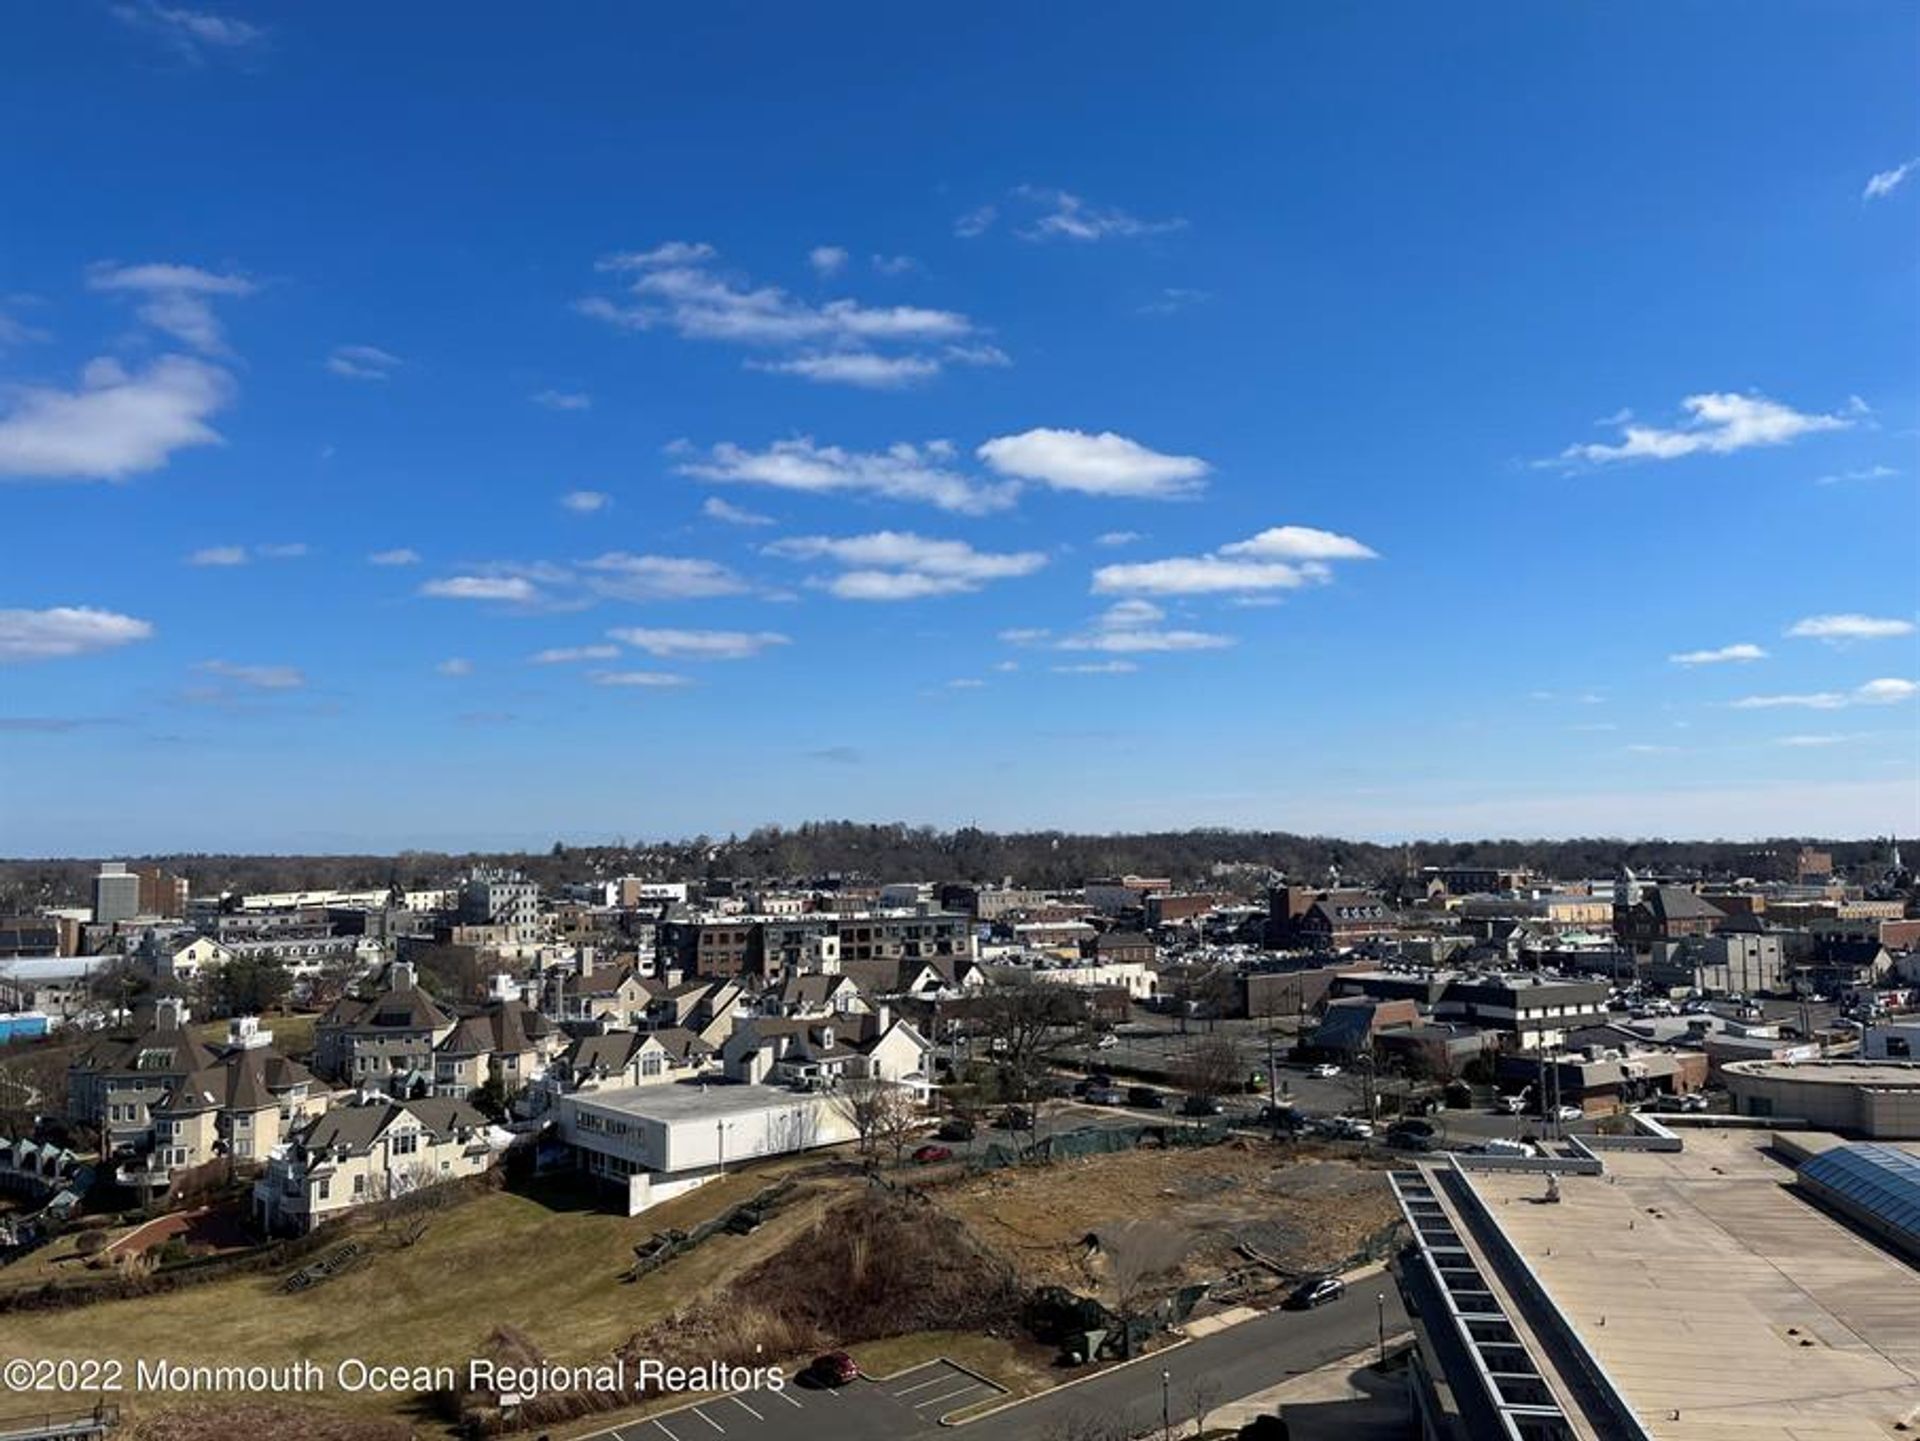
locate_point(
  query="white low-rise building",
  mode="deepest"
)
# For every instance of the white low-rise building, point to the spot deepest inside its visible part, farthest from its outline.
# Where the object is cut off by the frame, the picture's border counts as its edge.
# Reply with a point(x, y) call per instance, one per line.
point(656, 1142)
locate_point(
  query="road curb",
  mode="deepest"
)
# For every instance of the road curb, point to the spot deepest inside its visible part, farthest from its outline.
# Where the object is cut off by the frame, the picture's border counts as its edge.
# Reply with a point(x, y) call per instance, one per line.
point(1013, 1401)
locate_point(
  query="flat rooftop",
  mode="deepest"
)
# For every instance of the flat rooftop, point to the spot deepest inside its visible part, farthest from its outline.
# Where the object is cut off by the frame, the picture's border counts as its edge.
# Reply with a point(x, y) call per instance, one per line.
point(1896, 1074)
point(1722, 1303)
point(691, 1101)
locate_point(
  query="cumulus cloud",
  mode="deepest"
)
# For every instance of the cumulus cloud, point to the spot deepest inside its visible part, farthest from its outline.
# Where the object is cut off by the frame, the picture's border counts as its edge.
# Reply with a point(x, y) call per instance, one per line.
point(901, 472)
point(618, 575)
point(1865, 472)
point(400, 555)
point(562, 400)
point(1065, 216)
point(1243, 568)
point(217, 555)
point(1837, 629)
point(362, 362)
point(1128, 627)
point(117, 423)
point(1740, 652)
point(827, 259)
point(1300, 542)
point(727, 513)
point(899, 565)
point(64, 631)
point(586, 502)
point(1885, 691)
point(1104, 464)
point(1117, 537)
point(976, 222)
point(894, 264)
point(675, 287)
point(1718, 423)
point(1098, 667)
point(256, 677)
point(455, 666)
point(1883, 183)
point(699, 644)
point(192, 34)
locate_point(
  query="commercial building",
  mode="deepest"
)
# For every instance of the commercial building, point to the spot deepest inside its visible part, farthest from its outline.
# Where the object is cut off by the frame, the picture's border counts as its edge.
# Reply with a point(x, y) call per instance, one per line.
point(116, 894)
point(1879, 1100)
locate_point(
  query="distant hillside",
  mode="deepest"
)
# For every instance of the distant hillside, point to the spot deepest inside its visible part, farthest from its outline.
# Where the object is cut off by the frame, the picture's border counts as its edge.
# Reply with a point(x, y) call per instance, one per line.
point(899, 852)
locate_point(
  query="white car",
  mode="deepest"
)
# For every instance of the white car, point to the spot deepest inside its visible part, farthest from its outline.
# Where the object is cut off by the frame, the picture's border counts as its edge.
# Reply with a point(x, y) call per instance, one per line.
point(1569, 1113)
point(1106, 1042)
point(1324, 1071)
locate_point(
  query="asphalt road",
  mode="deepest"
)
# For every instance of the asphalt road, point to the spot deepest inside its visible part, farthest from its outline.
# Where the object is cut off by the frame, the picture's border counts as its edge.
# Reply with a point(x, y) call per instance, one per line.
point(1226, 1366)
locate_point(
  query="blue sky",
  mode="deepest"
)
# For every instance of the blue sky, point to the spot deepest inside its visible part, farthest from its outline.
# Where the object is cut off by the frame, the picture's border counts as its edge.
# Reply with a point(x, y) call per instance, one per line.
point(460, 430)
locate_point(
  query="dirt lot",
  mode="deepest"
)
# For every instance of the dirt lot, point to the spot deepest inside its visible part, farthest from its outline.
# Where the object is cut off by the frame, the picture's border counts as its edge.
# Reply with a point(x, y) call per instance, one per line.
point(1302, 1207)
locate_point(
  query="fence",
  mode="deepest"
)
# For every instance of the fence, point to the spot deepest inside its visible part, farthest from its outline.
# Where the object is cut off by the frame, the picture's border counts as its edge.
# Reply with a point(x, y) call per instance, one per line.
point(668, 1244)
point(1100, 1141)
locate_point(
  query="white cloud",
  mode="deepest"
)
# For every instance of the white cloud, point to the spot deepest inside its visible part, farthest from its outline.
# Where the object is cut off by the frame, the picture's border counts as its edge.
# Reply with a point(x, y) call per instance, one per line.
point(1128, 627)
point(283, 550)
point(455, 666)
point(901, 472)
point(1805, 741)
point(1103, 464)
point(64, 631)
point(1720, 422)
point(1102, 667)
point(1117, 537)
point(362, 362)
point(178, 298)
point(699, 644)
point(652, 679)
point(1300, 542)
point(586, 502)
point(1174, 299)
point(675, 287)
point(1867, 472)
point(620, 576)
point(1199, 575)
point(976, 222)
point(219, 555)
point(1068, 217)
point(562, 400)
point(565, 655)
point(401, 555)
point(192, 33)
point(511, 588)
point(1885, 691)
point(1841, 628)
point(864, 368)
point(258, 677)
point(966, 682)
point(1740, 652)
point(895, 264)
point(1885, 182)
point(714, 508)
point(899, 565)
point(827, 259)
point(116, 424)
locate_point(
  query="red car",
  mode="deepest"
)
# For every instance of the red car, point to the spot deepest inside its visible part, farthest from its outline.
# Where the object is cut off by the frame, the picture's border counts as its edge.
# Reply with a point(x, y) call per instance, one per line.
point(927, 1155)
point(836, 1368)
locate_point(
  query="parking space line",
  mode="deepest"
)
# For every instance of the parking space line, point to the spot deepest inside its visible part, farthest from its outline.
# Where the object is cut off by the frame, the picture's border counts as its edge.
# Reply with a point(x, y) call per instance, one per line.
point(663, 1426)
point(944, 1376)
point(782, 1394)
point(938, 1400)
point(746, 1408)
point(708, 1419)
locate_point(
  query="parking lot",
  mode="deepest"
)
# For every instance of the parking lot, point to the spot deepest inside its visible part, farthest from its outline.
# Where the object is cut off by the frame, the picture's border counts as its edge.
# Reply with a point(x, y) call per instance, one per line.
point(900, 1405)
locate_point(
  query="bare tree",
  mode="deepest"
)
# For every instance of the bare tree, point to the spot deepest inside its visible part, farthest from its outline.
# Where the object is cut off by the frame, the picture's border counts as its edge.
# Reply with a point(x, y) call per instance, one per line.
point(1028, 1023)
point(880, 1112)
point(1135, 1264)
point(1202, 1394)
point(1212, 1067)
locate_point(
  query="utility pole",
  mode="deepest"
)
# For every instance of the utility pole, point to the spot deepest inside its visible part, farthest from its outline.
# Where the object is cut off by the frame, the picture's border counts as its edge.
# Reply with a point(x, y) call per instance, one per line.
point(1380, 1307)
point(1166, 1405)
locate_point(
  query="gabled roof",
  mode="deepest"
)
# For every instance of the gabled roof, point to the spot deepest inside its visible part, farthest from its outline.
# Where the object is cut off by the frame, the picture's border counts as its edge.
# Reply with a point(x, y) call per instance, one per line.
point(355, 1128)
point(408, 1008)
point(158, 1051)
point(240, 1080)
point(1677, 903)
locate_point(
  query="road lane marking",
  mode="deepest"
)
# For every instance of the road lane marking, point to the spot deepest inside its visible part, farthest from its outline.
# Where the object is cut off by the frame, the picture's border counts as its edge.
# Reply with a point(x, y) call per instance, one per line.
point(708, 1419)
point(746, 1408)
point(663, 1426)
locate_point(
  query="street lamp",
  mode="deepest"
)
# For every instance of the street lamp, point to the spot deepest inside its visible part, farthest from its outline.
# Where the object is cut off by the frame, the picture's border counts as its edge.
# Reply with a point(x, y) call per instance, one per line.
point(1166, 1405)
point(1380, 1306)
point(721, 1128)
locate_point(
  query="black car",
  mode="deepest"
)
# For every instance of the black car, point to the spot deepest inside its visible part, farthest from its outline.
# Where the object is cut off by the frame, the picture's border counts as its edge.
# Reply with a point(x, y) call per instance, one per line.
point(1146, 1098)
point(956, 1129)
point(1200, 1106)
point(1017, 1118)
point(1105, 1096)
point(1316, 1292)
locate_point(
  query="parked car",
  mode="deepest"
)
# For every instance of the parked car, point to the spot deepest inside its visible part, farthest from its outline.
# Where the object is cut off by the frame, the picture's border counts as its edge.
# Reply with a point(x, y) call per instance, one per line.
point(1106, 1096)
point(1200, 1106)
point(1017, 1118)
point(1316, 1292)
point(1106, 1042)
point(1352, 1128)
point(1146, 1098)
point(1569, 1113)
point(1693, 1101)
point(836, 1368)
point(1500, 1146)
point(928, 1155)
point(955, 1128)
point(1326, 1071)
